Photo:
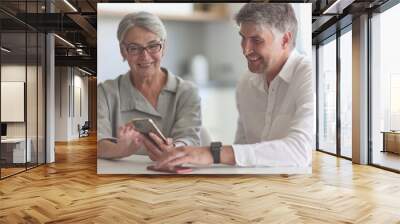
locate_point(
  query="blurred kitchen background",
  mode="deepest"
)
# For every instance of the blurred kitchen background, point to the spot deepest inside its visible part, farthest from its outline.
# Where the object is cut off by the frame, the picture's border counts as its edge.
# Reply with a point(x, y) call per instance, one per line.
point(203, 45)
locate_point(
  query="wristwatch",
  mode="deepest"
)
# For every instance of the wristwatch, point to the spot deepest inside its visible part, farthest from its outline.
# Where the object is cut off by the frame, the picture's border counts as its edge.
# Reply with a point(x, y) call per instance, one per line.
point(215, 150)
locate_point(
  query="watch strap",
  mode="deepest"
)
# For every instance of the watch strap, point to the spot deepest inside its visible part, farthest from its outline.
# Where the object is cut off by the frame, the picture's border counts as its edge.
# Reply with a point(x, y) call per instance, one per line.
point(215, 149)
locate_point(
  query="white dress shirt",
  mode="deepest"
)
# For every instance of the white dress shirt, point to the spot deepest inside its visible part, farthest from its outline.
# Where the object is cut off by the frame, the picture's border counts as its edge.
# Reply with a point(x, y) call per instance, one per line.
point(276, 123)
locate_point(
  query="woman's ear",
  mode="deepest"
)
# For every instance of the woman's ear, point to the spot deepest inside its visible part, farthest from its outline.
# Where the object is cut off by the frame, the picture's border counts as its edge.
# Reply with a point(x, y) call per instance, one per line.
point(123, 52)
point(164, 47)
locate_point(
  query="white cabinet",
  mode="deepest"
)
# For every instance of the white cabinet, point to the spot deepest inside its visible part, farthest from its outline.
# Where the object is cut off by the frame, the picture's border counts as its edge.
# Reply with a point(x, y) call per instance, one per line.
point(16, 149)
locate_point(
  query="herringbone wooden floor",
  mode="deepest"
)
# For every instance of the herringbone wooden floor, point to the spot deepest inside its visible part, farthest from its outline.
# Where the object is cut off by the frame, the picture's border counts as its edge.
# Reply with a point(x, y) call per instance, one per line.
point(70, 191)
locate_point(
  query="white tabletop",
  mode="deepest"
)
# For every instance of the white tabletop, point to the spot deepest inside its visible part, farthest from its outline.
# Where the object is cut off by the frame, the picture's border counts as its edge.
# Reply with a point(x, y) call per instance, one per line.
point(137, 164)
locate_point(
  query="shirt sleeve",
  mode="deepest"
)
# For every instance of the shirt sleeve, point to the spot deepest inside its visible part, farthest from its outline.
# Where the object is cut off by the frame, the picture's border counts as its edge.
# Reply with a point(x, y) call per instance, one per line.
point(104, 128)
point(239, 136)
point(186, 130)
point(295, 149)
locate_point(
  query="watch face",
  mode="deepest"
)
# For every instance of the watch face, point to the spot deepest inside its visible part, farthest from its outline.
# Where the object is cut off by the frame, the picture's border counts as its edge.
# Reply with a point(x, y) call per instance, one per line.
point(216, 144)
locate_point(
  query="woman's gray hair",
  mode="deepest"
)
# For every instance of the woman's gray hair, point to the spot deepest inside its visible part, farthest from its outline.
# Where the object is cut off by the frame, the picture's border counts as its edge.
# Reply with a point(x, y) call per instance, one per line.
point(278, 16)
point(143, 20)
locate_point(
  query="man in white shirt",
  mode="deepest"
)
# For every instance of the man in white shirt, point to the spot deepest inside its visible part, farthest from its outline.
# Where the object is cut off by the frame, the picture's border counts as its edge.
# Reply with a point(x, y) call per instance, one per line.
point(275, 103)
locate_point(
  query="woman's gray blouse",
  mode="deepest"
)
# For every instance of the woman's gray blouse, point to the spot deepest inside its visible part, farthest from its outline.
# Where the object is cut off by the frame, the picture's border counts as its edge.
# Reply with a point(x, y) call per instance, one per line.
point(178, 112)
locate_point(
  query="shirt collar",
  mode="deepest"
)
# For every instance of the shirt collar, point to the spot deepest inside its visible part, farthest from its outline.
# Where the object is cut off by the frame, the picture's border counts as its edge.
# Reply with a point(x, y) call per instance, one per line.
point(285, 73)
point(132, 99)
point(172, 82)
point(287, 70)
point(258, 80)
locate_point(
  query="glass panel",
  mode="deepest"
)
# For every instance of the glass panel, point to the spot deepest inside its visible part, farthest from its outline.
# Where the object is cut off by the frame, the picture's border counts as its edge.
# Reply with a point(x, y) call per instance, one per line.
point(22, 66)
point(31, 85)
point(346, 94)
point(41, 99)
point(13, 85)
point(327, 97)
point(31, 97)
point(386, 89)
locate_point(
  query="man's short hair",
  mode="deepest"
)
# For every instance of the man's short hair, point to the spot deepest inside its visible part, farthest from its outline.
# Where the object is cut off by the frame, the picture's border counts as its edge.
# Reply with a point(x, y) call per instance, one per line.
point(278, 16)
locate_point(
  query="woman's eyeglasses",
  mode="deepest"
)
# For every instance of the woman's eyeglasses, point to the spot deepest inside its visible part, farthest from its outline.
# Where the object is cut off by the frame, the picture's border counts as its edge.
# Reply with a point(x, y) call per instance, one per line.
point(134, 49)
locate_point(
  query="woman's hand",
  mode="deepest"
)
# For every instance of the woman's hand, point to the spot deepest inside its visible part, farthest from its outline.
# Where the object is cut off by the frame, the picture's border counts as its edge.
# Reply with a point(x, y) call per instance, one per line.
point(167, 155)
point(156, 146)
point(129, 140)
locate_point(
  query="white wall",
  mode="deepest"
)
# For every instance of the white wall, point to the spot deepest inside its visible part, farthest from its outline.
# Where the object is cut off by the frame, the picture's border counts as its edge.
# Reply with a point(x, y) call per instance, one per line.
point(80, 83)
point(109, 60)
point(68, 80)
point(13, 73)
point(61, 103)
point(224, 52)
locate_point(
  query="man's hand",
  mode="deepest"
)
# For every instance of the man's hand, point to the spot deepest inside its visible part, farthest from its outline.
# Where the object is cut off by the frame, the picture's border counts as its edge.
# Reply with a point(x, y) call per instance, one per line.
point(129, 140)
point(156, 146)
point(181, 155)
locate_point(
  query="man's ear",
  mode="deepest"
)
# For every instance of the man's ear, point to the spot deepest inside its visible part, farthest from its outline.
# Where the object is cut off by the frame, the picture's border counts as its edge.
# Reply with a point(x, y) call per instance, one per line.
point(286, 40)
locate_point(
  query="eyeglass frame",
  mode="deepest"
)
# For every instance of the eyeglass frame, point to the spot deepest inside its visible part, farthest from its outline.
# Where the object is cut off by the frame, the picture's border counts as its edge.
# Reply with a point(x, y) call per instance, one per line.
point(141, 49)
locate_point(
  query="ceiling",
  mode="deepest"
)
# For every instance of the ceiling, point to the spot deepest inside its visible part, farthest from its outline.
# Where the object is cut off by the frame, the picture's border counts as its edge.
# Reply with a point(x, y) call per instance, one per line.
point(76, 21)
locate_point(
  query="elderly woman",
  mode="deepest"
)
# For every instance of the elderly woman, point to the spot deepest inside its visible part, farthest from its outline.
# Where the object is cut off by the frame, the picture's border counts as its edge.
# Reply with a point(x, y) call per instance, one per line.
point(147, 90)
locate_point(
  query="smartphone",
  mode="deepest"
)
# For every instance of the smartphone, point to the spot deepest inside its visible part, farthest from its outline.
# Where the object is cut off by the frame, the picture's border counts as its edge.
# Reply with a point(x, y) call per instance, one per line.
point(175, 169)
point(147, 125)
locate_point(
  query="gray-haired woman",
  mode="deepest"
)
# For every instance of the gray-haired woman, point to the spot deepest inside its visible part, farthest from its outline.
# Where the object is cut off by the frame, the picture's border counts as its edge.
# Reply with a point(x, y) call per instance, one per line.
point(146, 91)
